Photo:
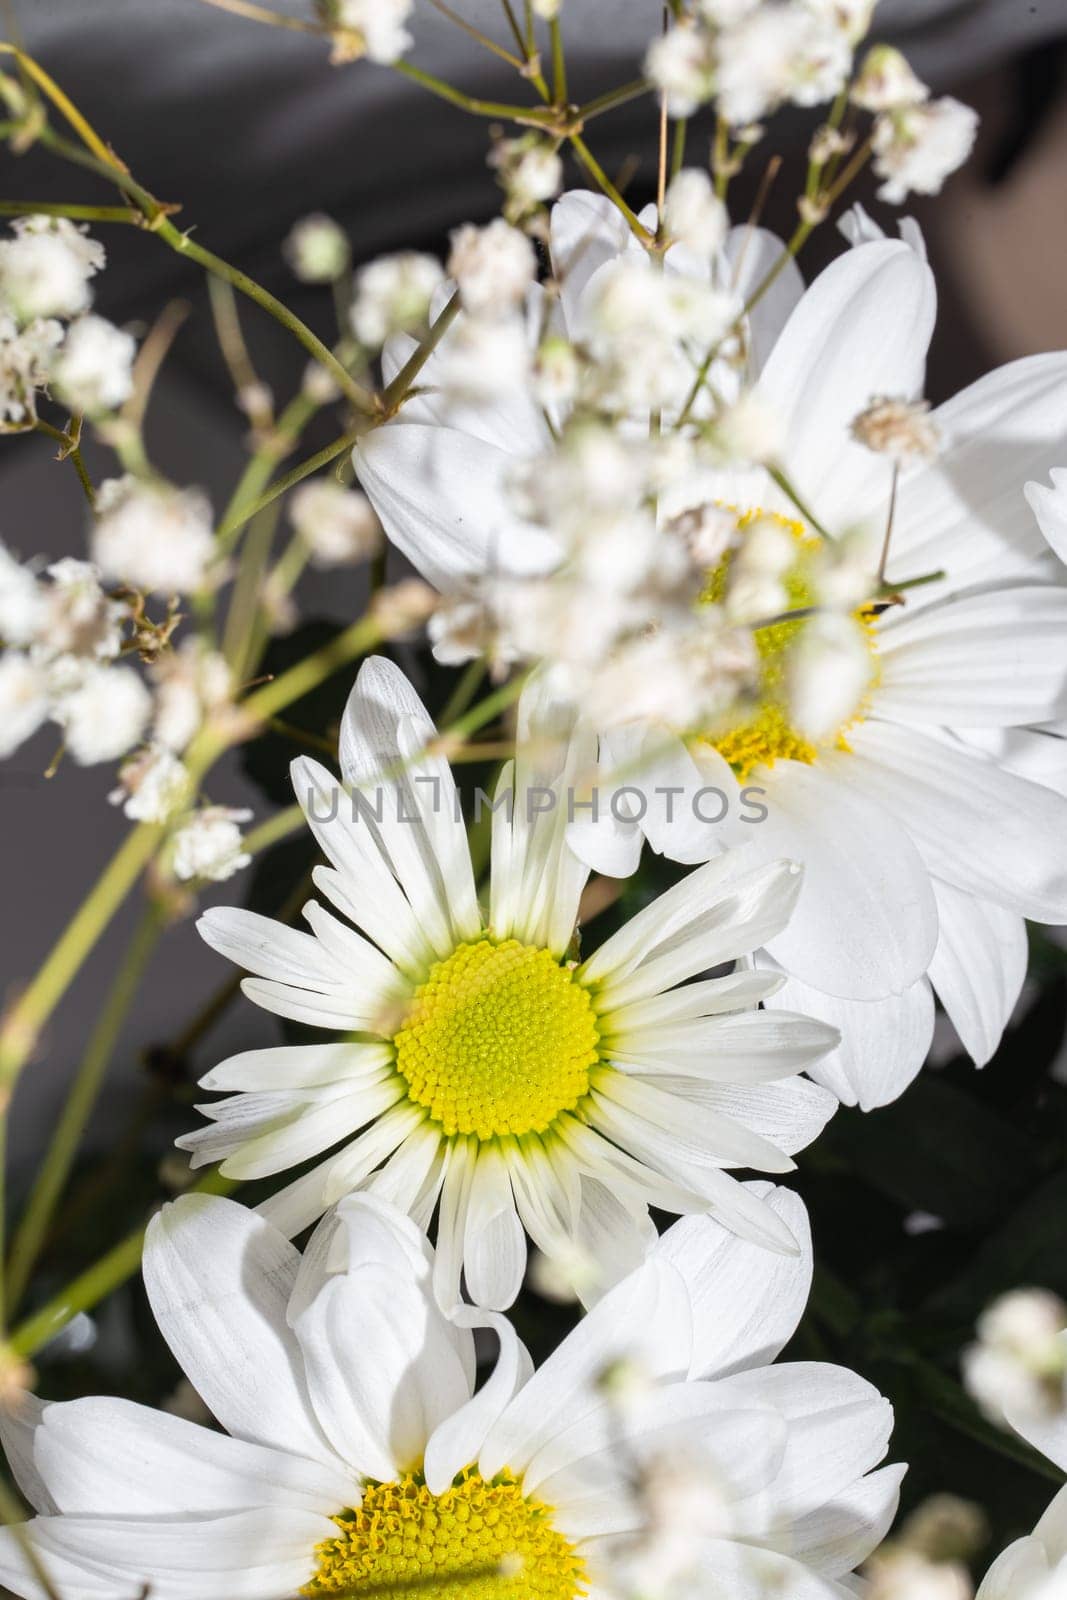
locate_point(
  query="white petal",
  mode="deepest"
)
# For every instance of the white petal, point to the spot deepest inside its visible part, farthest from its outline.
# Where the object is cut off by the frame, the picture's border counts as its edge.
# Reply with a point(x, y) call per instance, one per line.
point(746, 1301)
point(978, 828)
point(494, 1245)
point(458, 1440)
point(1050, 508)
point(883, 1043)
point(644, 1319)
point(752, 254)
point(840, 1535)
point(270, 949)
point(790, 1115)
point(110, 1457)
point(980, 660)
point(878, 298)
point(865, 924)
point(749, 1047)
point(218, 1279)
point(978, 967)
point(302, 1066)
point(586, 231)
point(638, 1115)
point(442, 499)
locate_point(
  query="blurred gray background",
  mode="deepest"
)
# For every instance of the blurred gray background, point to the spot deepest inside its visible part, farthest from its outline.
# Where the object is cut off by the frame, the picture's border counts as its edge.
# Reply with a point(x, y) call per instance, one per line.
point(250, 128)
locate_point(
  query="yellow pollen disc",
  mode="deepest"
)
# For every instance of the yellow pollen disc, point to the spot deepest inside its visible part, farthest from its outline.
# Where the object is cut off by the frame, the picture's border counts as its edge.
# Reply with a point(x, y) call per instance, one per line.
point(762, 733)
point(485, 1537)
point(500, 1039)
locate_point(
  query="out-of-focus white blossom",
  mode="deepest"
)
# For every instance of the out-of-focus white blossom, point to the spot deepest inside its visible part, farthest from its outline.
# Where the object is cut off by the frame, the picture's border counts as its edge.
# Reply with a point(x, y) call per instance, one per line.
point(316, 249)
point(917, 147)
point(778, 53)
point(393, 295)
point(24, 699)
point(886, 81)
point(530, 171)
point(191, 684)
point(338, 525)
point(900, 429)
point(755, 590)
point(80, 619)
point(462, 627)
point(748, 432)
point(851, 17)
point(844, 571)
point(45, 269)
point(93, 371)
point(484, 360)
point(556, 372)
point(319, 385)
point(22, 603)
point(493, 267)
point(547, 10)
point(26, 357)
point(682, 65)
point(725, 13)
point(829, 671)
point(693, 213)
point(687, 672)
point(402, 608)
point(682, 1502)
point(210, 845)
point(105, 715)
point(564, 1277)
point(897, 1573)
point(708, 531)
point(153, 536)
point(1017, 1369)
point(380, 26)
point(153, 785)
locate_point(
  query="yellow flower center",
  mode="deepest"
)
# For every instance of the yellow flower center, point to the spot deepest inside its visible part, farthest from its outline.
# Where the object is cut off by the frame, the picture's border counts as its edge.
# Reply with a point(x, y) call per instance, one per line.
point(499, 1039)
point(762, 732)
point(481, 1540)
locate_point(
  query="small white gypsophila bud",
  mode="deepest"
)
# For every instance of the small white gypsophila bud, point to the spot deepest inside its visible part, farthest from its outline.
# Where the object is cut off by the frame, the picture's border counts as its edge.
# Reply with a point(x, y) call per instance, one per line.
point(565, 1276)
point(778, 53)
point(45, 269)
point(93, 372)
point(900, 429)
point(693, 213)
point(724, 13)
point(483, 360)
point(403, 607)
point(319, 385)
point(1018, 1366)
point(547, 10)
point(493, 267)
point(687, 672)
point(25, 365)
point(681, 64)
point(380, 26)
point(850, 17)
point(917, 147)
point(531, 172)
point(23, 699)
point(886, 81)
point(462, 627)
point(338, 525)
point(944, 1528)
point(316, 249)
point(22, 603)
point(707, 531)
point(748, 432)
point(828, 673)
point(153, 536)
point(556, 372)
point(153, 785)
point(191, 683)
point(81, 620)
point(105, 715)
point(896, 1573)
point(393, 295)
point(210, 845)
point(682, 1502)
point(844, 570)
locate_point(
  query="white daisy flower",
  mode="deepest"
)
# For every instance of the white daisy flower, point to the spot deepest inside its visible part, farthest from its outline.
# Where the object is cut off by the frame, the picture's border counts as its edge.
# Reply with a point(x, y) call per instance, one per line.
point(357, 1453)
point(484, 1071)
point(924, 824)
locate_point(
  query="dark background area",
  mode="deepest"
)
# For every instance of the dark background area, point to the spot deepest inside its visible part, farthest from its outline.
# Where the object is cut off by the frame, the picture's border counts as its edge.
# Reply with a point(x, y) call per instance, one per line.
point(921, 1211)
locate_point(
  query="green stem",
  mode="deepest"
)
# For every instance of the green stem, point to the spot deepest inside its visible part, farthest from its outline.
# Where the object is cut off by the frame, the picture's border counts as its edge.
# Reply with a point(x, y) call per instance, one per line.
point(600, 177)
point(71, 452)
point(787, 488)
point(612, 98)
point(528, 116)
point(97, 1281)
point(678, 151)
point(56, 1167)
point(242, 511)
point(257, 474)
point(77, 213)
point(244, 604)
point(394, 394)
point(465, 690)
point(559, 62)
point(360, 637)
